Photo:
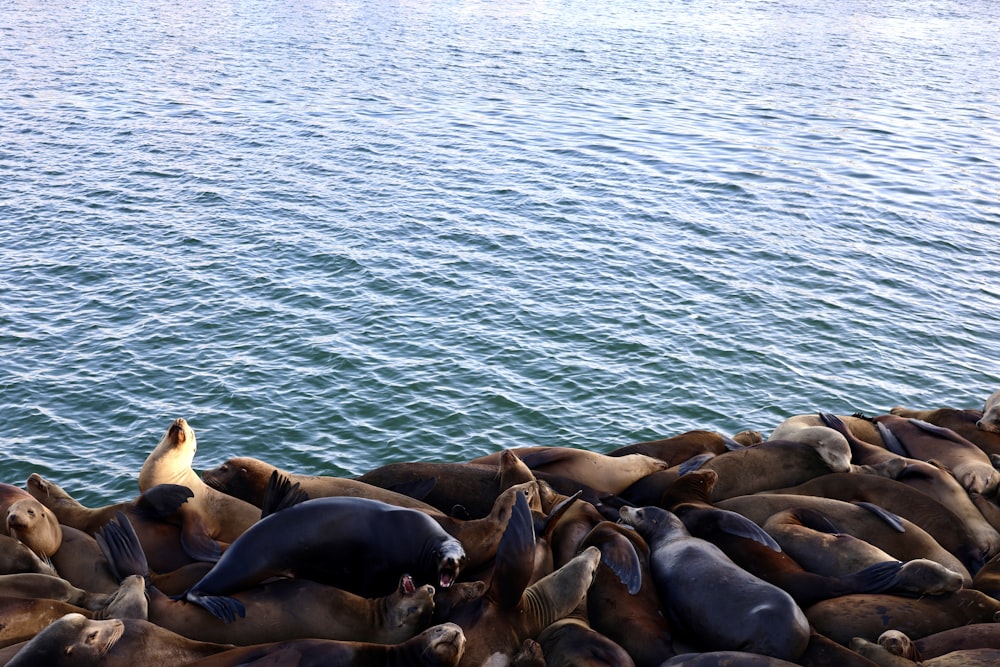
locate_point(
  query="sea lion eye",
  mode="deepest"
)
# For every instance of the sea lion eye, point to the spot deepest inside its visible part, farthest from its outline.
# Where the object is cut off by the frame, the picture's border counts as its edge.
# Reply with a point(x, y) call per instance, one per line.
point(92, 637)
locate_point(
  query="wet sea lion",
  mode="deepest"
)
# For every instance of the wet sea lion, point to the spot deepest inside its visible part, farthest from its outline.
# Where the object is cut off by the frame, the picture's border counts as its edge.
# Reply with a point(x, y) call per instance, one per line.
point(75, 640)
point(246, 478)
point(223, 517)
point(440, 646)
point(358, 544)
point(770, 622)
point(868, 615)
point(600, 472)
point(28, 521)
point(897, 536)
point(970, 465)
point(171, 532)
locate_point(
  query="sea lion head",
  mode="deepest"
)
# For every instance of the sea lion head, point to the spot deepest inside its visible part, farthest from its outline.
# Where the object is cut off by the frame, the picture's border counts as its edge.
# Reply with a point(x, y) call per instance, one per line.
point(651, 519)
point(450, 558)
point(73, 639)
point(34, 525)
point(179, 435)
point(446, 642)
point(991, 414)
point(898, 643)
point(410, 607)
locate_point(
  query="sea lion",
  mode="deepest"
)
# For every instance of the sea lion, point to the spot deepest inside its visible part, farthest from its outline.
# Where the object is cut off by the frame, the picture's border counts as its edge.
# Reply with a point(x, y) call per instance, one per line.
point(966, 423)
point(898, 643)
point(75, 640)
point(860, 427)
point(877, 654)
point(28, 521)
point(600, 472)
point(968, 536)
point(726, 659)
point(222, 517)
point(634, 621)
point(749, 614)
point(679, 448)
point(171, 532)
point(440, 646)
point(281, 609)
point(974, 635)
point(571, 642)
point(991, 414)
point(897, 536)
point(35, 585)
point(868, 615)
point(15, 557)
point(970, 465)
point(358, 544)
point(510, 611)
point(246, 478)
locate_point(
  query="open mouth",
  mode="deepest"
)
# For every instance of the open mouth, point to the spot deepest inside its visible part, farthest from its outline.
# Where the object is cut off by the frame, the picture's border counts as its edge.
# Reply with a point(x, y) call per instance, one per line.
point(448, 574)
point(406, 585)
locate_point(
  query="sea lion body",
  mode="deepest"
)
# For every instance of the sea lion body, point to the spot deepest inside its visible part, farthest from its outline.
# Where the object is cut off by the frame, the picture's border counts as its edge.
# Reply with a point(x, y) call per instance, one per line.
point(358, 544)
point(679, 448)
point(967, 423)
point(746, 614)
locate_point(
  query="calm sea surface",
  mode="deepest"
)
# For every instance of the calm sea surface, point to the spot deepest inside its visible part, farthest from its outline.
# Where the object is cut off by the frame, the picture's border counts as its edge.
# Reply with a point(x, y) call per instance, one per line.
point(338, 234)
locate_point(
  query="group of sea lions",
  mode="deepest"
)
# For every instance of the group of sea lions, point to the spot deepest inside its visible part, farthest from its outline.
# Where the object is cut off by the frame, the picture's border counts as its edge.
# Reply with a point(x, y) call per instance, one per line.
point(838, 540)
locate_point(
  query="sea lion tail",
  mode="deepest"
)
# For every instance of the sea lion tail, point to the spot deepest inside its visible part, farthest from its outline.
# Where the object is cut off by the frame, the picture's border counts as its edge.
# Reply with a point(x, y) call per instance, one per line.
point(122, 549)
point(226, 609)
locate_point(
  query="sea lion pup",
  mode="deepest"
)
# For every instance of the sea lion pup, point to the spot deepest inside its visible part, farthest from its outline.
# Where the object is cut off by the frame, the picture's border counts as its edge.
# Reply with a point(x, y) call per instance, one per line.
point(224, 518)
point(246, 478)
point(600, 472)
point(753, 549)
point(79, 641)
point(971, 539)
point(22, 618)
point(634, 621)
point(15, 557)
point(771, 465)
point(679, 448)
point(440, 646)
point(899, 537)
point(29, 522)
point(868, 615)
point(746, 614)
point(970, 465)
point(281, 609)
point(510, 611)
point(171, 532)
point(571, 642)
point(357, 544)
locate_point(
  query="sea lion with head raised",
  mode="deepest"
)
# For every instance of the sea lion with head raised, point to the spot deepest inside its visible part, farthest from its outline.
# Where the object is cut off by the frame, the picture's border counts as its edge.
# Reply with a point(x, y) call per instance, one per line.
point(358, 544)
point(746, 614)
point(858, 426)
point(223, 517)
point(440, 646)
point(28, 521)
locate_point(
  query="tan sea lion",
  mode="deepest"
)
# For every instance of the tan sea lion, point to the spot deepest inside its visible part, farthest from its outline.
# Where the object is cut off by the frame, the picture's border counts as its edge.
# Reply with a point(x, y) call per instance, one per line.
point(868, 615)
point(15, 557)
point(75, 640)
point(600, 472)
point(440, 646)
point(746, 614)
point(224, 518)
point(991, 414)
point(28, 521)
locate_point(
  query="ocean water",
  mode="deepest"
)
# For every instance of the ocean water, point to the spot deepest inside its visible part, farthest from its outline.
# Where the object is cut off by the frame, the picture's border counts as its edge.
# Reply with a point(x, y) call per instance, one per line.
point(339, 234)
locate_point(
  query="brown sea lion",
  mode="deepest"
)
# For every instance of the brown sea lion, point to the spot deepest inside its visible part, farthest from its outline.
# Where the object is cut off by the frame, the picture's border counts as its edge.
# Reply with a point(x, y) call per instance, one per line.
point(726, 659)
point(990, 420)
point(966, 423)
point(571, 642)
point(898, 643)
point(75, 640)
point(680, 448)
point(897, 536)
point(439, 646)
point(246, 478)
point(824, 652)
point(634, 621)
point(749, 614)
point(28, 521)
point(878, 654)
point(171, 532)
point(860, 427)
point(221, 516)
point(974, 635)
point(868, 615)
point(600, 472)
point(34, 585)
point(510, 611)
point(15, 557)
point(969, 537)
point(970, 465)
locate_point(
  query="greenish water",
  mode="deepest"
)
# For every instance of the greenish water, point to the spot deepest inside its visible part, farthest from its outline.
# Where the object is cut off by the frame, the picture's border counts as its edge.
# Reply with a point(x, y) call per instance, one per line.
point(334, 235)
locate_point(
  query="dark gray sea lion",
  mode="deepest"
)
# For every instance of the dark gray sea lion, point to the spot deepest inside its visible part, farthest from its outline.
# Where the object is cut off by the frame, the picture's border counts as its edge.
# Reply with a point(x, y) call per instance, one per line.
point(222, 517)
point(571, 642)
point(439, 646)
point(77, 641)
point(357, 544)
point(747, 614)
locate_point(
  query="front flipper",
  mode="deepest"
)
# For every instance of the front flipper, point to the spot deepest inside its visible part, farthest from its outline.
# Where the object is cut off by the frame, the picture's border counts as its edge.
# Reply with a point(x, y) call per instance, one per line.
point(226, 609)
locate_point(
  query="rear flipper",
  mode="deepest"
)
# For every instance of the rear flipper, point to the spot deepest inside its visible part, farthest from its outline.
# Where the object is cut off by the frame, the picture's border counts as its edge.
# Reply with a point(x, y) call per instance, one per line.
point(224, 608)
point(120, 546)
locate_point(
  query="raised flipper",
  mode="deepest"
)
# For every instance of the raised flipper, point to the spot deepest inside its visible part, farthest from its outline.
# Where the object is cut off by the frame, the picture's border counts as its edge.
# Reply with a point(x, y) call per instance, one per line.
point(617, 553)
point(740, 526)
point(162, 501)
point(694, 463)
point(894, 521)
point(281, 494)
point(121, 548)
point(892, 443)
